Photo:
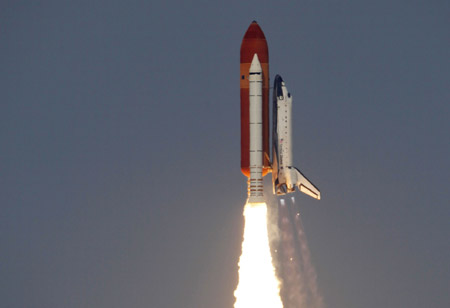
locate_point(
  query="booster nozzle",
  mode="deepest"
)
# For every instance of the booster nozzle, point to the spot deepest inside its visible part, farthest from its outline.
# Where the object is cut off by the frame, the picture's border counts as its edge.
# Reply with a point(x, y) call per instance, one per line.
point(255, 191)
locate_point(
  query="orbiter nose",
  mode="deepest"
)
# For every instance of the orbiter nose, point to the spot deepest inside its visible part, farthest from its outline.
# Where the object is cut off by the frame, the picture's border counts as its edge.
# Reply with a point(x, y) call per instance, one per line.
point(278, 86)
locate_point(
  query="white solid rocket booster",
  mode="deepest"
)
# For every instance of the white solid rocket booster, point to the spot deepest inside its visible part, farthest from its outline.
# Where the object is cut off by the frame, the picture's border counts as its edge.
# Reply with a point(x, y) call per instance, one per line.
point(255, 182)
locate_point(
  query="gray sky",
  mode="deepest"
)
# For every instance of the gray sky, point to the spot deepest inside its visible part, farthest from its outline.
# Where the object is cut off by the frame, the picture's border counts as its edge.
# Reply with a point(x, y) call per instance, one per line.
point(120, 181)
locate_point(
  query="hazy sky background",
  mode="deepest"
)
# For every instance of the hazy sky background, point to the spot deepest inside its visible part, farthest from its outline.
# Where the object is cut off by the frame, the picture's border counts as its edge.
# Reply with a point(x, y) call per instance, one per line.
point(120, 153)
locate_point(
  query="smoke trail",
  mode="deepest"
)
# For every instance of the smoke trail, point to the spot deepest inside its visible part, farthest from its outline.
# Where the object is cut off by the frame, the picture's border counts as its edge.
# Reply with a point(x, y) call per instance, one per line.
point(309, 270)
point(258, 285)
point(293, 289)
point(299, 280)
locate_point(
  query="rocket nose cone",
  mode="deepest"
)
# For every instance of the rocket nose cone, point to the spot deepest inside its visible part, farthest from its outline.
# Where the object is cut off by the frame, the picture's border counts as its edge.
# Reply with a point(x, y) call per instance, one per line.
point(254, 32)
point(253, 42)
point(255, 67)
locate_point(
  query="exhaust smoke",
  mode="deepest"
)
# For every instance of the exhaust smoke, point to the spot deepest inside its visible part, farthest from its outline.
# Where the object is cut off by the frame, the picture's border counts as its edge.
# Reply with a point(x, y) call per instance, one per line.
point(258, 285)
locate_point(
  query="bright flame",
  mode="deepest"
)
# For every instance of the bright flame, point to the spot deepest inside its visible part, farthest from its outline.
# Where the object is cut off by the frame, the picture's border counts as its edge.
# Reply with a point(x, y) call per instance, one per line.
point(258, 285)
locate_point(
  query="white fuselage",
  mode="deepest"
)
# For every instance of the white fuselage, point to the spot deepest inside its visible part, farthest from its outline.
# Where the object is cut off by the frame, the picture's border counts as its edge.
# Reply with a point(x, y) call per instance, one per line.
point(284, 133)
point(284, 120)
point(285, 177)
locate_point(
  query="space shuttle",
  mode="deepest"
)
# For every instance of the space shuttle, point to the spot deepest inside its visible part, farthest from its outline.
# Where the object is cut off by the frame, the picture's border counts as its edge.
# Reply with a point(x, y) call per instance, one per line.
point(285, 177)
point(255, 131)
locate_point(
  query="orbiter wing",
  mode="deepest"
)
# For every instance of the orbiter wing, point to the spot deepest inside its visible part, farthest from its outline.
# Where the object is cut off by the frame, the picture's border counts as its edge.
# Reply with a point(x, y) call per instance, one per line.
point(306, 186)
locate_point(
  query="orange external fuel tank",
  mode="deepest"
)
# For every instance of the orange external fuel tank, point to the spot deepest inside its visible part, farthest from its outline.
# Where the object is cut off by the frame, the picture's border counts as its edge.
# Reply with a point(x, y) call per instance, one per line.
point(253, 42)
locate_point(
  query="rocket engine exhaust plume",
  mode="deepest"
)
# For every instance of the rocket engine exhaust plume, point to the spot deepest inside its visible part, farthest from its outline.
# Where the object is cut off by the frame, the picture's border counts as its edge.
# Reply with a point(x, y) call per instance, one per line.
point(309, 270)
point(299, 288)
point(258, 285)
point(293, 289)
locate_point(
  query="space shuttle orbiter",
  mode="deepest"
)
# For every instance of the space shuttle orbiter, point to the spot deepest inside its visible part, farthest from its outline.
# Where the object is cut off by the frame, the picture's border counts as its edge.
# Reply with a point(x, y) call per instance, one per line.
point(285, 177)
